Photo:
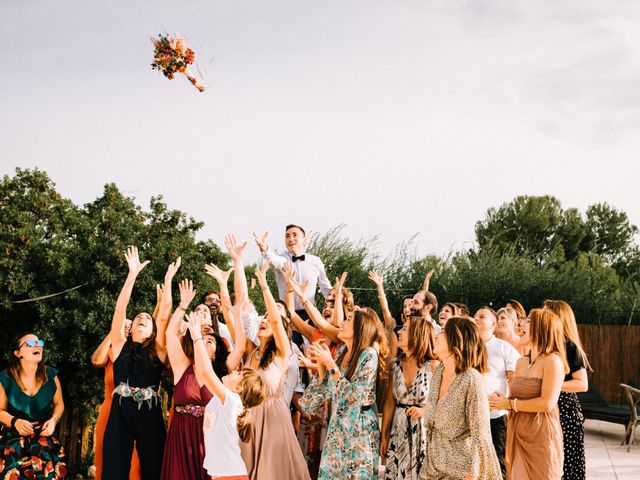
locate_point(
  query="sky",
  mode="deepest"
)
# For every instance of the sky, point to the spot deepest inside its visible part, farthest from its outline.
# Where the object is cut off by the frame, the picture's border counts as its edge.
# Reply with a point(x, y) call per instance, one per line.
point(395, 118)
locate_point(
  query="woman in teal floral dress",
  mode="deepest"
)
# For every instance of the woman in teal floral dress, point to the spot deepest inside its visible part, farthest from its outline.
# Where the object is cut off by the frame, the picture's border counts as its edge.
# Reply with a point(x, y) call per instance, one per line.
point(30, 408)
point(351, 448)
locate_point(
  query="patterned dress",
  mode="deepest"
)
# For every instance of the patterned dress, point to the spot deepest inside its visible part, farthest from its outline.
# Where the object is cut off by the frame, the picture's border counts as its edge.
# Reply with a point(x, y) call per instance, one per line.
point(408, 441)
point(37, 457)
point(351, 448)
point(458, 431)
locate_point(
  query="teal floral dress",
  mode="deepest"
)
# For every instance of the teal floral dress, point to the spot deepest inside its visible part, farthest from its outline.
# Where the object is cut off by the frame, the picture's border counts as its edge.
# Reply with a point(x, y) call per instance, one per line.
point(37, 457)
point(351, 448)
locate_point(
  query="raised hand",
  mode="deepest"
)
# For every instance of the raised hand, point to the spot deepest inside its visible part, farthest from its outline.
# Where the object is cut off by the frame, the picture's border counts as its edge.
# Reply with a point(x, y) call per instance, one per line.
point(376, 277)
point(194, 324)
point(159, 291)
point(427, 280)
point(261, 274)
point(304, 361)
point(290, 277)
point(133, 260)
point(236, 251)
point(322, 354)
point(261, 240)
point(187, 293)
point(339, 285)
point(221, 276)
point(172, 270)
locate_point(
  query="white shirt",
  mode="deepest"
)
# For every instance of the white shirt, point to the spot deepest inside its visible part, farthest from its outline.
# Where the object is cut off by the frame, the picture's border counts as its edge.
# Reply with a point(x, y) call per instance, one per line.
point(251, 323)
point(221, 440)
point(293, 375)
point(226, 334)
point(502, 359)
point(310, 269)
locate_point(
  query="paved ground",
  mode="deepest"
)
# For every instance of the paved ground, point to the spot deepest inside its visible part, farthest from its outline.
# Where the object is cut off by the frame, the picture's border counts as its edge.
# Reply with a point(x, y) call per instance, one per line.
point(606, 458)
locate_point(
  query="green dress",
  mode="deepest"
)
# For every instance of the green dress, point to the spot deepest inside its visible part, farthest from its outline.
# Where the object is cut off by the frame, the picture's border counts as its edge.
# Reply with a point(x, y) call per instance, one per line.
point(37, 457)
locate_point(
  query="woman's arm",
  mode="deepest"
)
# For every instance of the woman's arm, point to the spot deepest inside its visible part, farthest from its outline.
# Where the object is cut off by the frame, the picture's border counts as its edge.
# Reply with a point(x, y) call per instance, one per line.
point(236, 252)
point(203, 363)
point(178, 360)
point(579, 382)
point(58, 409)
point(117, 335)
point(222, 278)
point(101, 355)
point(164, 311)
point(283, 346)
point(389, 321)
point(235, 357)
point(338, 311)
point(387, 418)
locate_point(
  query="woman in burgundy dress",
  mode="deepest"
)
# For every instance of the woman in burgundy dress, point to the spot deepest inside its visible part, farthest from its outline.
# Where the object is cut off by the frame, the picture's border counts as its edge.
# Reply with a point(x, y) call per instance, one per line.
point(184, 450)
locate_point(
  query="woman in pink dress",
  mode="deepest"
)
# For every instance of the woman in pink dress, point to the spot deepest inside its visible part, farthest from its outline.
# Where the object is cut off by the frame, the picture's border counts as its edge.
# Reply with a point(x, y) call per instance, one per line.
point(273, 451)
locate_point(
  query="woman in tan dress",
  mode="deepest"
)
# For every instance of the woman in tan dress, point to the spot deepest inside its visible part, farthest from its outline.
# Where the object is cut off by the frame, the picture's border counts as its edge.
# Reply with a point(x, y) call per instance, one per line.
point(534, 436)
point(273, 451)
point(457, 415)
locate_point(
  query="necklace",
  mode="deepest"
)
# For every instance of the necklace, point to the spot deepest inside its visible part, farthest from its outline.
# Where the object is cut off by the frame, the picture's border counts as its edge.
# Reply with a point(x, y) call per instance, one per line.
point(258, 356)
point(531, 364)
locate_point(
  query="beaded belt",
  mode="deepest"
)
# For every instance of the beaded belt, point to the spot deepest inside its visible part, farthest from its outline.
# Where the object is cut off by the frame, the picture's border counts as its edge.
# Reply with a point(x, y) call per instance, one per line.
point(137, 394)
point(189, 409)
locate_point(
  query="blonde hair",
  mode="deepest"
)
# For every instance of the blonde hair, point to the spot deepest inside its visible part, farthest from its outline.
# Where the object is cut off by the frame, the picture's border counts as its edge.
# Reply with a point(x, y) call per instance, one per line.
point(466, 345)
point(569, 326)
point(546, 334)
point(252, 393)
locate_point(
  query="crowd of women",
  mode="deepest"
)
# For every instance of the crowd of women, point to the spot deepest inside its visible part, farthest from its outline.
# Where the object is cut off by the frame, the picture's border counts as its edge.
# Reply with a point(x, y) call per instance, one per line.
point(485, 397)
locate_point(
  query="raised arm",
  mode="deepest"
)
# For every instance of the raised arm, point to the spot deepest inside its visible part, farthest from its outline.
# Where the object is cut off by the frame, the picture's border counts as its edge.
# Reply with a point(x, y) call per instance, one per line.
point(300, 325)
point(101, 354)
point(283, 346)
point(427, 281)
point(235, 356)
point(389, 321)
point(202, 361)
point(117, 334)
point(178, 360)
point(222, 278)
point(236, 252)
point(269, 255)
point(331, 331)
point(166, 302)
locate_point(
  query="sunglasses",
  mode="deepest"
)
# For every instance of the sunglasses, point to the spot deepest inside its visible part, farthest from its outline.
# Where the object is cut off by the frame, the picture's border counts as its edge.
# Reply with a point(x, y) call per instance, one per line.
point(33, 343)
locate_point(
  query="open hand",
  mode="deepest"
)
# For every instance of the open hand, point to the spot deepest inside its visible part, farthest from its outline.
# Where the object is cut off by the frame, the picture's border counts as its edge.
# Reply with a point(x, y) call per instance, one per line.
point(194, 324)
point(24, 428)
point(221, 276)
point(376, 277)
point(133, 260)
point(187, 293)
point(172, 269)
point(261, 240)
point(236, 251)
point(261, 274)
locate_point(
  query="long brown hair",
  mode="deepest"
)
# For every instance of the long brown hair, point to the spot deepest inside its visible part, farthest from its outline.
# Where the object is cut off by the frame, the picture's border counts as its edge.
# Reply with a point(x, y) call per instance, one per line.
point(518, 308)
point(15, 367)
point(546, 334)
point(420, 341)
point(466, 345)
point(367, 332)
point(569, 326)
point(252, 393)
point(270, 349)
point(219, 360)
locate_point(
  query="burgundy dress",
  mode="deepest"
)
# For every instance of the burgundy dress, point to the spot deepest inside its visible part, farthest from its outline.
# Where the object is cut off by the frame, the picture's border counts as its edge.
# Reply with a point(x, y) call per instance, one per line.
point(184, 450)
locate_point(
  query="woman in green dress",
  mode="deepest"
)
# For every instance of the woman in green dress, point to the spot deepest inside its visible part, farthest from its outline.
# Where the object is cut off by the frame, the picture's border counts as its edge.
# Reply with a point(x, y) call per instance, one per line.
point(30, 408)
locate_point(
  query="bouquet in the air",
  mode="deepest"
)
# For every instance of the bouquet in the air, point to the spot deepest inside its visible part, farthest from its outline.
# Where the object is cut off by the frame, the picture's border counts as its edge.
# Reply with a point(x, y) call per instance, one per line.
point(171, 55)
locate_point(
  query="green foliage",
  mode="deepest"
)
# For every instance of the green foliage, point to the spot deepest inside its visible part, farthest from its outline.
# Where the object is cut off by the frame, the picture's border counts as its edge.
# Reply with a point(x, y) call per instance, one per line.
point(50, 245)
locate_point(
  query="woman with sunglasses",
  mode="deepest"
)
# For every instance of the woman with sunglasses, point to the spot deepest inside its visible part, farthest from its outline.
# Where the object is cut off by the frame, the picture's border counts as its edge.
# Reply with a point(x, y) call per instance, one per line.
point(31, 406)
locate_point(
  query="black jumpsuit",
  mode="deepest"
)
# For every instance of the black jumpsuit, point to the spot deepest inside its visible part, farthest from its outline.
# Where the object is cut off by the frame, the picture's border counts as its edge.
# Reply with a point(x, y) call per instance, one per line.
point(131, 422)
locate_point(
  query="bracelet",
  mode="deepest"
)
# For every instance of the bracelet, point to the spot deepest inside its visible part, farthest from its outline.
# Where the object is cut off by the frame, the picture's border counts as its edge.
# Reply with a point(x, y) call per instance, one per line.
point(289, 291)
point(55, 418)
point(13, 422)
point(306, 300)
point(510, 404)
point(198, 339)
point(180, 307)
point(515, 405)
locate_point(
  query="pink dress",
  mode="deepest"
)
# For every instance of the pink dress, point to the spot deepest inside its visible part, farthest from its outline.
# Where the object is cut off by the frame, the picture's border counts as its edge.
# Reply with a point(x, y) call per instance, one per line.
point(184, 450)
point(273, 451)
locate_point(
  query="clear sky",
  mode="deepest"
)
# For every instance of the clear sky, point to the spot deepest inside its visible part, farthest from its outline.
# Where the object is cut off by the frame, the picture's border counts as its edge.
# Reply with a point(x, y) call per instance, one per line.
point(395, 117)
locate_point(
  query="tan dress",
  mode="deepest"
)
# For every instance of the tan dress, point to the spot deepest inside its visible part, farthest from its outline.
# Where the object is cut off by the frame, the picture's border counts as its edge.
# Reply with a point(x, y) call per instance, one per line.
point(273, 451)
point(534, 440)
point(458, 431)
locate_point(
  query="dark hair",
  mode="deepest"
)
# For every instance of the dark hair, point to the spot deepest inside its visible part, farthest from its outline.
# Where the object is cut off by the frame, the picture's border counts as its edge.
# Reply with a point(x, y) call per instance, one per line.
point(466, 345)
point(15, 368)
point(430, 299)
point(400, 317)
point(464, 310)
point(219, 361)
point(293, 225)
point(148, 345)
point(270, 349)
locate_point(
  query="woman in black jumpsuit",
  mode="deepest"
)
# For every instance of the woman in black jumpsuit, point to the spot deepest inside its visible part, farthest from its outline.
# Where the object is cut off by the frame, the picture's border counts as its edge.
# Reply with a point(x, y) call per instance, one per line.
point(136, 411)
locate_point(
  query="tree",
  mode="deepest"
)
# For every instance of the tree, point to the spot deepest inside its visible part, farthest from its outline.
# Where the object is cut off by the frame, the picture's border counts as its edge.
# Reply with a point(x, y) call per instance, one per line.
point(610, 234)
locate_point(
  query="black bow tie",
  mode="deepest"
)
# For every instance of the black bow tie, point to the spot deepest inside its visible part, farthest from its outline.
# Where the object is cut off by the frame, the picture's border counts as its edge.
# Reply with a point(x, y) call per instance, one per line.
point(295, 259)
